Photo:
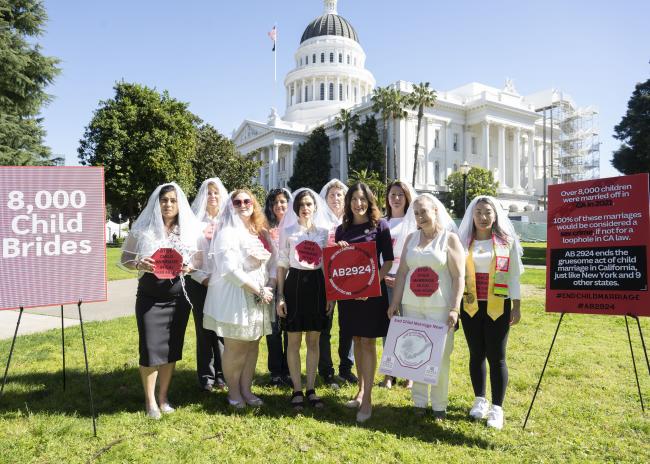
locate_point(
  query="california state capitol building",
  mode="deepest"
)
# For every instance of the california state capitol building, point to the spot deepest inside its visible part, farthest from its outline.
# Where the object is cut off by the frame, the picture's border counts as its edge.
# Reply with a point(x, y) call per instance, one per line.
point(527, 141)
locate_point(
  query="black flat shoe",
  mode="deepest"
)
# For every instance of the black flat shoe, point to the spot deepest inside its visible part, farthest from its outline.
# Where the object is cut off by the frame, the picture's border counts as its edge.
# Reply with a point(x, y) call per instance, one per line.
point(297, 405)
point(314, 400)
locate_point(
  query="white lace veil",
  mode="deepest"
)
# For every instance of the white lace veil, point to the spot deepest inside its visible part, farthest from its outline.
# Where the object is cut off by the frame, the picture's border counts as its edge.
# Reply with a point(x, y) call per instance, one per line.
point(320, 217)
point(200, 203)
point(148, 234)
point(331, 217)
point(467, 225)
point(230, 227)
point(442, 217)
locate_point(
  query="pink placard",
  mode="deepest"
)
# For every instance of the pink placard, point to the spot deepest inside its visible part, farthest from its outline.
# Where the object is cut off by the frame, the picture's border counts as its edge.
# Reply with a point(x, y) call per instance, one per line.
point(53, 249)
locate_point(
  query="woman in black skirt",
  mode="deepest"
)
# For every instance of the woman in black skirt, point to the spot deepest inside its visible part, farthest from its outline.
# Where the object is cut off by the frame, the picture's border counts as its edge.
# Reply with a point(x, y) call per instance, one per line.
point(301, 300)
point(365, 319)
point(161, 308)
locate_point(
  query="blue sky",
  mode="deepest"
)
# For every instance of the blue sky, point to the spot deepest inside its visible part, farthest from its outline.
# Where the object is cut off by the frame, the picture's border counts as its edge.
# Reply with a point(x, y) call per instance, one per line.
point(216, 54)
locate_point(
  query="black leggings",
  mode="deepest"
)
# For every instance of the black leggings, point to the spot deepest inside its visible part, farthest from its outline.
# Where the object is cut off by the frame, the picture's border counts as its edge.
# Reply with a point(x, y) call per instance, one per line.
point(487, 339)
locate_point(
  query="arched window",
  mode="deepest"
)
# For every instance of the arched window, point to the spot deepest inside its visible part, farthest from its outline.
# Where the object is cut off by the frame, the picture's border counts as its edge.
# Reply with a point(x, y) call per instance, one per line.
point(341, 92)
point(331, 57)
point(348, 59)
point(340, 57)
point(306, 93)
point(455, 167)
point(322, 91)
point(331, 91)
point(322, 57)
point(436, 172)
point(313, 58)
point(306, 60)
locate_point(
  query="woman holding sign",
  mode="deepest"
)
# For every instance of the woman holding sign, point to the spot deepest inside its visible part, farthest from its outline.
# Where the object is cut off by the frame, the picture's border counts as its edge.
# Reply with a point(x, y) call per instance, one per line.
point(492, 300)
point(301, 292)
point(161, 307)
point(210, 201)
point(429, 285)
point(398, 201)
point(365, 319)
point(237, 306)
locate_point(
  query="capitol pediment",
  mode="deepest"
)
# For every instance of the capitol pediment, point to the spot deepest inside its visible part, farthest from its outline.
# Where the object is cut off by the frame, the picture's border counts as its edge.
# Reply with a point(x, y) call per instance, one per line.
point(249, 130)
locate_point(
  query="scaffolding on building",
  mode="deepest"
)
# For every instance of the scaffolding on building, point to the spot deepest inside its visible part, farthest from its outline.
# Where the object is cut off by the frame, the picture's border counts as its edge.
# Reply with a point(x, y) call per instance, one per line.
point(571, 136)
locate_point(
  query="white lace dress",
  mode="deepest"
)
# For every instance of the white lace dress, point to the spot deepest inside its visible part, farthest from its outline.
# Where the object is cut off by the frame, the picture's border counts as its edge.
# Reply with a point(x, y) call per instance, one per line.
point(230, 310)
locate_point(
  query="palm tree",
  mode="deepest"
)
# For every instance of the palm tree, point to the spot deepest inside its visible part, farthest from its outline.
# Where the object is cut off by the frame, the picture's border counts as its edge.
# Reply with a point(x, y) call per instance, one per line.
point(346, 121)
point(395, 108)
point(421, 97)
point(380, 105)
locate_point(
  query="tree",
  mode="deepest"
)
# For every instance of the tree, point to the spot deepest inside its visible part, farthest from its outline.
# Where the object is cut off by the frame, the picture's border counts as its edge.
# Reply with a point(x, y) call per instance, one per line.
point(25, 73)
point(217, 156)
point(347, 121)
point(634, 131)
point(395, 107)
point(479, 182)
point(367, 151)
point(142, 138)
point(421, 97)
point(372, 180)
point(380, 105)
point(312, 165)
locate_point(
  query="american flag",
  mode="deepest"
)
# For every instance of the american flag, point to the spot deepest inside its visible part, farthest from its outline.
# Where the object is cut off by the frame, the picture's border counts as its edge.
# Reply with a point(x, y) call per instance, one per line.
point(273, 34)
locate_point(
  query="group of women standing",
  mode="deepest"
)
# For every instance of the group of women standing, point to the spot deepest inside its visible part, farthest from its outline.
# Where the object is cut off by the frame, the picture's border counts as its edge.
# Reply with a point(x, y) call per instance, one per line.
point(259, 273)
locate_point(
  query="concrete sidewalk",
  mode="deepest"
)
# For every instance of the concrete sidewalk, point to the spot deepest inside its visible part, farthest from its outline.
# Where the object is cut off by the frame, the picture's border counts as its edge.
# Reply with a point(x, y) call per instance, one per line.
point(121, 302)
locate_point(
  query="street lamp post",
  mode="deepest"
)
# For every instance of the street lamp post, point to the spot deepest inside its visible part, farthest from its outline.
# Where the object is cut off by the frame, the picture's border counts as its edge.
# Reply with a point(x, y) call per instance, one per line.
point(464, 170)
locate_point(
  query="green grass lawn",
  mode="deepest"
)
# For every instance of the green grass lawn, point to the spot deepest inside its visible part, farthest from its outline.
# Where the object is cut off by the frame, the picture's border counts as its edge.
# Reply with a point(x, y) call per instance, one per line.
point(587, 409)
point(534, 253)
point(113, 271)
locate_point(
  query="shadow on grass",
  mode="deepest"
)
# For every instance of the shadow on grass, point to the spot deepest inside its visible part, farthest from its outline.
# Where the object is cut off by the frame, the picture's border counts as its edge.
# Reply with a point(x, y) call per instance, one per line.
point(120, 391)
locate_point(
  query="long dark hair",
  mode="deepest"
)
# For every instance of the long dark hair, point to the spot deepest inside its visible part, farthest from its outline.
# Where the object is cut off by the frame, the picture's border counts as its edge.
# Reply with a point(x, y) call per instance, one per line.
point(268, 206)
point(496, 228)
point(373, 214)
point(407, 197)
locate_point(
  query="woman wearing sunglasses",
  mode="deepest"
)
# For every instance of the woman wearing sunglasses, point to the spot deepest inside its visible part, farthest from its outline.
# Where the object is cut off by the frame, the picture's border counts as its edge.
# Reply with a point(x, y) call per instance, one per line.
point(240, 289)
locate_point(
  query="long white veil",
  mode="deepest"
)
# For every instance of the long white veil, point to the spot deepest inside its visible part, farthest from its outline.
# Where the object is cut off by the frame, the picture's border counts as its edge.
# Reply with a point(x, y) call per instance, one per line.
point(466, 226)
point(333, 220)
point(200, 202)
point(148, 233)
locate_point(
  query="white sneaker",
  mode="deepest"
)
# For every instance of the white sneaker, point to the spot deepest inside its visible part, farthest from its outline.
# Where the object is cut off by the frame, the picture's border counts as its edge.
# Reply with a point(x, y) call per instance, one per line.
point(479, 408)
point(495, 417)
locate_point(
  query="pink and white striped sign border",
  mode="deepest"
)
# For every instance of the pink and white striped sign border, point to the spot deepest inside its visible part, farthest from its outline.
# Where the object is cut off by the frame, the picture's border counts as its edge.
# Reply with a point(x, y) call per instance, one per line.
point(52, 243)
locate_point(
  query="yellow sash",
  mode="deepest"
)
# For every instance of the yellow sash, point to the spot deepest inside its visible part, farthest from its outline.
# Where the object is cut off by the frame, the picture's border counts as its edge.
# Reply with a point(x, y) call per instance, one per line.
point(497, 283)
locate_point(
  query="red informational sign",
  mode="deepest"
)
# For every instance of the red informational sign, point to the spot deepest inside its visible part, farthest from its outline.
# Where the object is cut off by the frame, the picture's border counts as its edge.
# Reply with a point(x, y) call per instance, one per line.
point(351, 272)
point(597, 254)
point(309, 253)
point(424, 281)
point(168, 263)
point(53, 247)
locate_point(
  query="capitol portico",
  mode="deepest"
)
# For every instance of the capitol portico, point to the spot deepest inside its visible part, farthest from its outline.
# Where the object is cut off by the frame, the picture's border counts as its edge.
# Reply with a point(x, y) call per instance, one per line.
point(494, 128)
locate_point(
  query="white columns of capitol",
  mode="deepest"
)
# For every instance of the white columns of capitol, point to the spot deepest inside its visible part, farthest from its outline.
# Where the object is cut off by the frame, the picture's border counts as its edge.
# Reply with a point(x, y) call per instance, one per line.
point(292, 158)
point(516, 156)
point(501, 161)
point(343, 159)
point(274, 166)
point(313, 89)
point(486, 144)
point(531, 162)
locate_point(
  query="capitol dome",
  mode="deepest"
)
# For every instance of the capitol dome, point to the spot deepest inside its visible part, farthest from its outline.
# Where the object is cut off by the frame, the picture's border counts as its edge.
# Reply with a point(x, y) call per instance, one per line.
point(330, 24)
point(329, 72)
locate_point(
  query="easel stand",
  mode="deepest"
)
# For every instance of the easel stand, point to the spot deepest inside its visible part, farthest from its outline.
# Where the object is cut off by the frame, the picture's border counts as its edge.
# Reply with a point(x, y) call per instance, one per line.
point(629, 338)
point(83, 339)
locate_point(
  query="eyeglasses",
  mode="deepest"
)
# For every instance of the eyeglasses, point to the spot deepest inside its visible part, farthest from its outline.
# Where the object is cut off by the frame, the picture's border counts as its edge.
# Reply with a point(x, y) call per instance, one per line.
point(239, 203)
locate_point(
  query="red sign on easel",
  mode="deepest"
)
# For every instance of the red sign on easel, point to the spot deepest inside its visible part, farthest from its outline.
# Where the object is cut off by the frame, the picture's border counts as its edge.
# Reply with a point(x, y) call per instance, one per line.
point(597, 255)
point(351, 272)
